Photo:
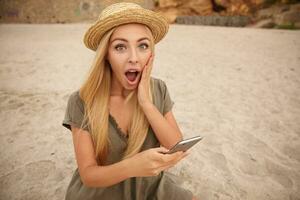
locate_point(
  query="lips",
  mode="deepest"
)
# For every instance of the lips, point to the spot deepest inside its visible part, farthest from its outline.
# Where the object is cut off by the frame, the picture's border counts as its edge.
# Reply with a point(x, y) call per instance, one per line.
point(132, 76)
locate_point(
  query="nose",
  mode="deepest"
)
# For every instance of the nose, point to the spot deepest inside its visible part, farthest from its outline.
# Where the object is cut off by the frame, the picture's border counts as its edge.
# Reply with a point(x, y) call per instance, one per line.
point(133, 57)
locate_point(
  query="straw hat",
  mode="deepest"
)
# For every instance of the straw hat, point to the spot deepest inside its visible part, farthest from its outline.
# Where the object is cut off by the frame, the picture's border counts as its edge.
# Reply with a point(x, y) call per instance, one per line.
point(123, 13)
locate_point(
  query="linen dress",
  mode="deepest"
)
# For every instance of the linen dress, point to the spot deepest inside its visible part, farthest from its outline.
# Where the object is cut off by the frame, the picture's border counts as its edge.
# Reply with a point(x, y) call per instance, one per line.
point(160, 187)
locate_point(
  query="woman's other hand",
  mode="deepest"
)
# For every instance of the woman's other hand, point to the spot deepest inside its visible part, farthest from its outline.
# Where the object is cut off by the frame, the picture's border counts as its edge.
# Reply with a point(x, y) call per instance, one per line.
point(143, 88)
point(152, 161)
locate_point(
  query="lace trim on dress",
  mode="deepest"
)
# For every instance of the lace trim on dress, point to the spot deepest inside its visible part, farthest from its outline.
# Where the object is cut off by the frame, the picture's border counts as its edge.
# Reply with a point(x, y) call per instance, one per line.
point(119, 130)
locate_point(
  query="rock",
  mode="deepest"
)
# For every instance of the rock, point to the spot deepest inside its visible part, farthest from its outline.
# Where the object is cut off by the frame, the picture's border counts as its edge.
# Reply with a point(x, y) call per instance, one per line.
point(170, 14)
point(239, 8)
point(289, 17)
point(278, 16)
point(172, 8)
point(297, 25)
point(266, 23)
point(223, 3)
point(265, 13)
point(169, 3)
point(199, 7)
point(295, 7)
point(271, 11)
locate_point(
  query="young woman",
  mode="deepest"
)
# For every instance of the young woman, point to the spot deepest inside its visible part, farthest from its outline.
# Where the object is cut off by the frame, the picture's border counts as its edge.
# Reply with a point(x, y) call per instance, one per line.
point(121, 118)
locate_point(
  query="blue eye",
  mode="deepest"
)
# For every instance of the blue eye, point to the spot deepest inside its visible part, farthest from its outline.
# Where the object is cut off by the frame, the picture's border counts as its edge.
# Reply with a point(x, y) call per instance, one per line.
point(120, 47)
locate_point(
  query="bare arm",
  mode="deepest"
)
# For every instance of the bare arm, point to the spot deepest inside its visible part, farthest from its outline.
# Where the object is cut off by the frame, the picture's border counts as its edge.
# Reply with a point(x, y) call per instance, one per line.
point(147, 163)
point(93, 175)
point(164, 127)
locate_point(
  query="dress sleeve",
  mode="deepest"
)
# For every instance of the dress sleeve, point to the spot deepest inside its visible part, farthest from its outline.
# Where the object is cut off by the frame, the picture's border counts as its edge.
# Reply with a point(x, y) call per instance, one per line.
point(167, 102)
point(74, 112)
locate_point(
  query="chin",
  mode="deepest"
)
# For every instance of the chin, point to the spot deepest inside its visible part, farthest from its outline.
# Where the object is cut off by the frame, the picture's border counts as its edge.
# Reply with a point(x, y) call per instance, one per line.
point(130, 87)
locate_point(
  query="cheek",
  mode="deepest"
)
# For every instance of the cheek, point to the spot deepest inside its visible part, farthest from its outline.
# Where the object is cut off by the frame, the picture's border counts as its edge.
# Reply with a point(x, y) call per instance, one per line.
point(116, 69)
point(145, 59)
point(115, 61)
point(116, 65)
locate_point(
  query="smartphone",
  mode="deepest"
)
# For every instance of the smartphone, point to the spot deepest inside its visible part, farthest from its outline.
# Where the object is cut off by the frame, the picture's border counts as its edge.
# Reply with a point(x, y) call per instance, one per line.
point(184, 145)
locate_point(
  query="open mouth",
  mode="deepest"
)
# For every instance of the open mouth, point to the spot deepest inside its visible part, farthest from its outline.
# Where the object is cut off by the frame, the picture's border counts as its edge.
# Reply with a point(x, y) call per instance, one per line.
point(132, 76)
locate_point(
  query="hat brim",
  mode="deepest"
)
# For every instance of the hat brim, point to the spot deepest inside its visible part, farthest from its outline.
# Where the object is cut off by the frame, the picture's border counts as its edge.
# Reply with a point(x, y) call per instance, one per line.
point(157, 23)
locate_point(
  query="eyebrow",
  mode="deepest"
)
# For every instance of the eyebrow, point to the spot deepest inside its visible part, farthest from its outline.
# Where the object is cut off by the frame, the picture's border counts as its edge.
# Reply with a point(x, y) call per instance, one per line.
point(123, 39)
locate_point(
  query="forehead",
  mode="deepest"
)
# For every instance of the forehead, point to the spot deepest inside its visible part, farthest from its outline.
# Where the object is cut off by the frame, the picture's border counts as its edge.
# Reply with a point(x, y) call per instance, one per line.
point(131, 31)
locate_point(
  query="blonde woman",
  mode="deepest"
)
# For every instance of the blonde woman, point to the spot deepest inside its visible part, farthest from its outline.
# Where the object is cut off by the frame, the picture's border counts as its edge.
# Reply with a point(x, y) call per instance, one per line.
point(121, 118)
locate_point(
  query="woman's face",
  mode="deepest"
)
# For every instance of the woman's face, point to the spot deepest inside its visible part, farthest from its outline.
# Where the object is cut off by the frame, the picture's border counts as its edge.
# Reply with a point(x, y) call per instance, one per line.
point(128, 52)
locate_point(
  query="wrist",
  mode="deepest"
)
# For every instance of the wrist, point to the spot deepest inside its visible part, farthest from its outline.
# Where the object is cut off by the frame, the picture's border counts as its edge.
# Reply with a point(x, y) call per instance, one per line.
point(127, 168)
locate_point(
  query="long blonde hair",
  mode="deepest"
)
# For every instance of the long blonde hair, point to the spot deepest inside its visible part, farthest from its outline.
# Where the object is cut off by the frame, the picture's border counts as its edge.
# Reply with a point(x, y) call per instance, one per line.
point(95, 93)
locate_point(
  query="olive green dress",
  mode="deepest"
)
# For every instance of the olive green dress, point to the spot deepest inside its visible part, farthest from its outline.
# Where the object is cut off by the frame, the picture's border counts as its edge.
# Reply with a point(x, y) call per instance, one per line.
point(160, 187)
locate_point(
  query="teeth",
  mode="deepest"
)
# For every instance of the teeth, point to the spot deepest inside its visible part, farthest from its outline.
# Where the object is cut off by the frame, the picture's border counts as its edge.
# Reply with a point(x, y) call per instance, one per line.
point(132, 70)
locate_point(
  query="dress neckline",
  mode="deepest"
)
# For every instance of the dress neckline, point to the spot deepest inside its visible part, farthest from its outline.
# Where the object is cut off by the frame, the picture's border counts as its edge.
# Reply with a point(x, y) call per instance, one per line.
point(116, 125)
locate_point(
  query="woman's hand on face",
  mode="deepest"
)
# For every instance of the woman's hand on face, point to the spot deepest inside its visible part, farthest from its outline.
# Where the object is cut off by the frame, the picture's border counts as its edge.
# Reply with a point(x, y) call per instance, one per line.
point(143, 87)
point(152, 161)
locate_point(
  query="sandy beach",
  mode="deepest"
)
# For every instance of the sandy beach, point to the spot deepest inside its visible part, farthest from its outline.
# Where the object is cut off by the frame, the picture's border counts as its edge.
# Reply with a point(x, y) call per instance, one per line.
point(239, 88)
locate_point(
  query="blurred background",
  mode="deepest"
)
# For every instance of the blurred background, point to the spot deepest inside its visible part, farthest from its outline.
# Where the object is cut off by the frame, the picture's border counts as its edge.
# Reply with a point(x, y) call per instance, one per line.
point(240, 13)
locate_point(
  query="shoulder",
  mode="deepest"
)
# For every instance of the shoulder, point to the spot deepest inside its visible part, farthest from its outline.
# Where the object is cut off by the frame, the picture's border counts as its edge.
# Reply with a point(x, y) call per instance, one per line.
point(157, 80)
point(161, 96)
point(75, 112)
point(74, 95)
point(75, 100)
point(159, 85)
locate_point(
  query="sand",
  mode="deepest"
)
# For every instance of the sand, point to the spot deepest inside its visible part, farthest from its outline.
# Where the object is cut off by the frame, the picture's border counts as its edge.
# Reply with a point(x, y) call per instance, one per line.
point(237, 87)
